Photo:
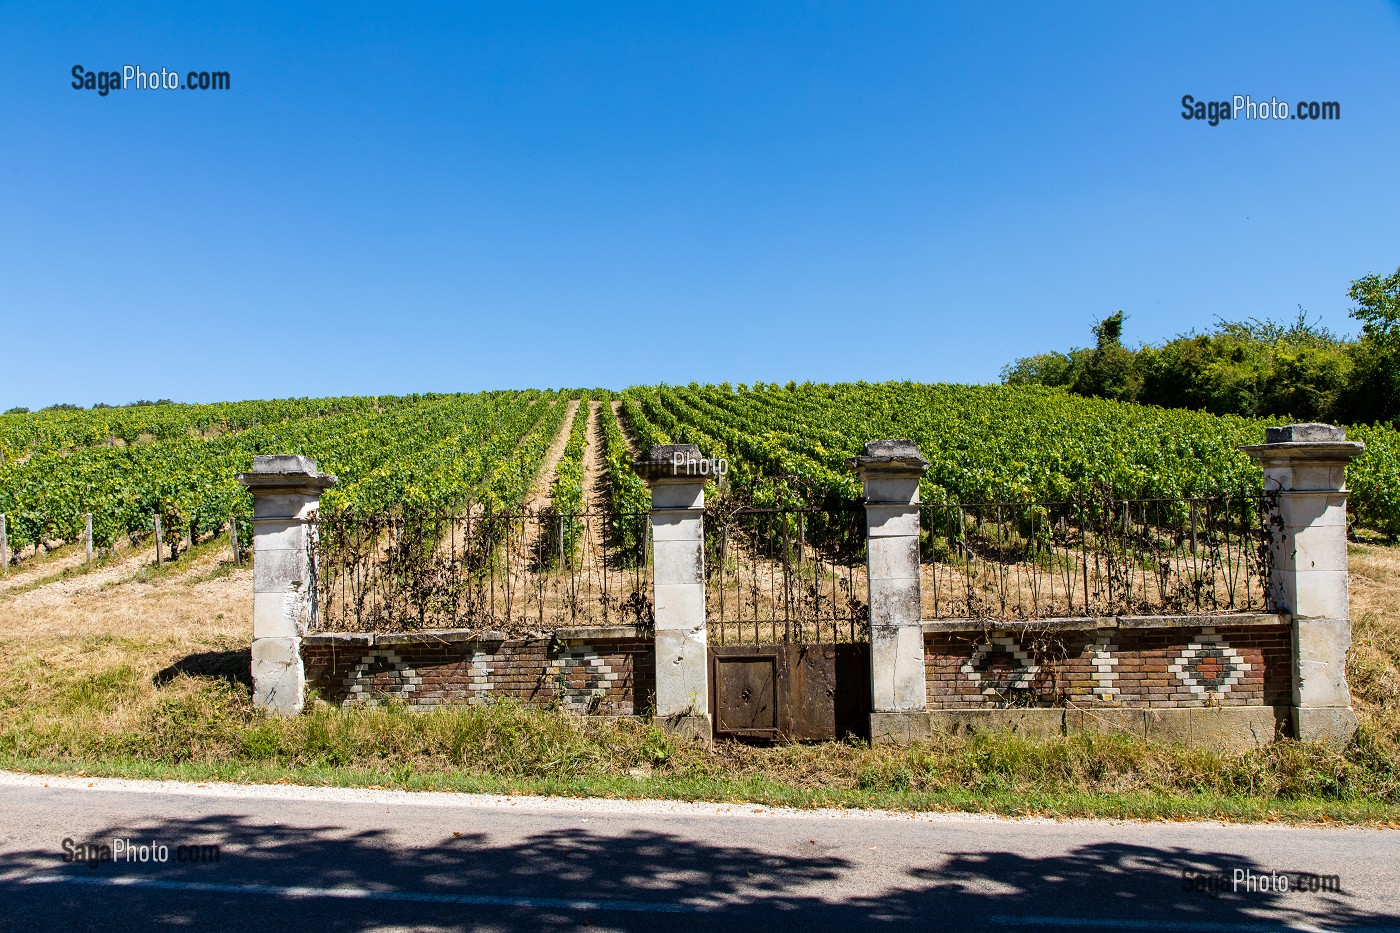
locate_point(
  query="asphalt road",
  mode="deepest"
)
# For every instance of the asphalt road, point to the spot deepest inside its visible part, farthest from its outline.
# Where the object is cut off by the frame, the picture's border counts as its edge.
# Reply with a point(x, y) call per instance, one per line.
point(312, 859)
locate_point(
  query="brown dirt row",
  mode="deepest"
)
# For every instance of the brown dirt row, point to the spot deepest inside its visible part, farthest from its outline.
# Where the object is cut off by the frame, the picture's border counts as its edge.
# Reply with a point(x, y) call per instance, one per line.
point(549, 469)
point(593, 491)
point(631, 444)
point(121, 563)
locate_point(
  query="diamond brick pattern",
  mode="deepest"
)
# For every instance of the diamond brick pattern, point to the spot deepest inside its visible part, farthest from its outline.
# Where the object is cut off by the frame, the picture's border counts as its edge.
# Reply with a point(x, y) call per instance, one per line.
point(1104, 659)
point(1158, 667)
point(609, 677)
point(1208, 666)
point(999, 664)
point(380, 674)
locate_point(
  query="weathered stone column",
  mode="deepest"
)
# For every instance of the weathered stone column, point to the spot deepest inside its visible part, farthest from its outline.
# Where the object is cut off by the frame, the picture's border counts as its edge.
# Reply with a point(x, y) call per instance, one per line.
point(286, 491)
point(676, 474)
point(890, 471)
point(1305, 466)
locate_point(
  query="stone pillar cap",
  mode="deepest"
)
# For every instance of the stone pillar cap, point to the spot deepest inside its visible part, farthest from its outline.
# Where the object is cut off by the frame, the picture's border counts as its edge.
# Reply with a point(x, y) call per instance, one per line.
point(890, 457)
point(285, 470)
point(1312, 431)
point(1305, 441)
point(671, 461)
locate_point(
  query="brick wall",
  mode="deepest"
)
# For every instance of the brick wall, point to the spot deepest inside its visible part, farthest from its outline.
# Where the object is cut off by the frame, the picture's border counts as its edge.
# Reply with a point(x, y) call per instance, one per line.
point(604, 672)
point(1223, 662)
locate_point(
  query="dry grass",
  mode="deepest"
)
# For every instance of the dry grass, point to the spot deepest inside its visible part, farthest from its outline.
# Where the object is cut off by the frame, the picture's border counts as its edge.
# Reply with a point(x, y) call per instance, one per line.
point(1373, 669)
point(35, 568)
point(199, 598)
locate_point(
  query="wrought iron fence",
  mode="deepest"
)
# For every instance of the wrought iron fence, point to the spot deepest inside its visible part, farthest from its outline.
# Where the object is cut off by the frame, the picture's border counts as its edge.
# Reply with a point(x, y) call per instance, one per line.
point(793, 575)
point(517, 573)
point(785, 575)
point(1094, 556)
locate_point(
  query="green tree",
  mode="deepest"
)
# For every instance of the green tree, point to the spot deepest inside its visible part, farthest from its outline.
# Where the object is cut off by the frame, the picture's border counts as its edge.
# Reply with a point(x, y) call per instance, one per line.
point(1109, 370)
point(1045, 369)
point(1378, 308)
point(1374, 392)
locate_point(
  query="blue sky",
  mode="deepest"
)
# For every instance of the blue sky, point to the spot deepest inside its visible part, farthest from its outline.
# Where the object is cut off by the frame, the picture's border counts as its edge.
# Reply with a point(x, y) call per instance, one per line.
point(394, 199)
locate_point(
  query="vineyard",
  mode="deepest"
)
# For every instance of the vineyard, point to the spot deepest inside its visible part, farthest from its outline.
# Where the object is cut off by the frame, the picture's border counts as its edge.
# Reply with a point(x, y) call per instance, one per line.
point(985, 444)
point(786, 446)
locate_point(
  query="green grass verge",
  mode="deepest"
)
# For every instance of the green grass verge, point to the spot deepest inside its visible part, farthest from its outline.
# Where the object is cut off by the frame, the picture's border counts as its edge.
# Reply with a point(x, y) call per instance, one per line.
point(751, 790)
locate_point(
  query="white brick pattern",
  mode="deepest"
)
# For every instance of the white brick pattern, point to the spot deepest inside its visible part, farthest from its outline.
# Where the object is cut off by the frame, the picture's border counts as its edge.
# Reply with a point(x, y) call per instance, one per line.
point(1208, 648)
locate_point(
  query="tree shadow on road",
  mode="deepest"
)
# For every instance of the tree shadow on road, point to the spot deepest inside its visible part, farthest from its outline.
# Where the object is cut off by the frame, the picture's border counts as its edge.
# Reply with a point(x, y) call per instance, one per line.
point(270, 874)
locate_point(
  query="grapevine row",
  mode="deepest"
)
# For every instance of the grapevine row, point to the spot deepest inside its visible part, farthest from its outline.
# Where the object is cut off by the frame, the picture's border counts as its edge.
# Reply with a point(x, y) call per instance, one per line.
point(984, 443)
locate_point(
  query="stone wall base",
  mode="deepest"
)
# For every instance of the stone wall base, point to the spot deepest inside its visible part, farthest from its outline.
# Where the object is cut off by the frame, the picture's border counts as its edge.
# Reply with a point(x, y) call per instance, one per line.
point(1324, 724)
point(900, 728)
point(279, 680)
point(1227, 728)
point(689, 727)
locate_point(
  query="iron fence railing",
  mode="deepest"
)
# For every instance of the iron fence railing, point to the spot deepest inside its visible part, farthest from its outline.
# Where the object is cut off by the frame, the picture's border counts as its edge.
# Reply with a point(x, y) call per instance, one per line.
point(518, 573)
point(784, 575)
point(790, 575)
point(1093, 556)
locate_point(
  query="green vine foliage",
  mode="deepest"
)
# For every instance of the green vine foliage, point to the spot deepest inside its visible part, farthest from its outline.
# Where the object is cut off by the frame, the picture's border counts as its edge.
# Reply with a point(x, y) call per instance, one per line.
point(786, 445)
point(985, 443)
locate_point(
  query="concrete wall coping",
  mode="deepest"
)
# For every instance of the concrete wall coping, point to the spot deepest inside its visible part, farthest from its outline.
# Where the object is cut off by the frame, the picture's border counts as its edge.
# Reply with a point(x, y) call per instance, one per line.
point(455, 636)
point(1090, 623)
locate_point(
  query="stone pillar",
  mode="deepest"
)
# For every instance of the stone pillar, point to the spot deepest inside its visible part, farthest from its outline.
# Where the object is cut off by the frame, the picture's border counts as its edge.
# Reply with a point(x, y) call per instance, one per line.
point(676, 474)
point(286, 491)
point(890, 471)
point(1305, 466)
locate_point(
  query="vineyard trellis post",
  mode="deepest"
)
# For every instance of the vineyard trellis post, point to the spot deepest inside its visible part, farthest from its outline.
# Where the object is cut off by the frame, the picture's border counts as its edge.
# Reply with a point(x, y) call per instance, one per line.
point(890, 472)
point(1305, 477)
point(286, 494)
point(677, 482)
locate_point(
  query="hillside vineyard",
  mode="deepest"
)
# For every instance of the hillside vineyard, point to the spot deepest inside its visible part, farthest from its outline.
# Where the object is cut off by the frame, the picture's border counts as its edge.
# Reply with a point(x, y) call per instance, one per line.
point(786, 445)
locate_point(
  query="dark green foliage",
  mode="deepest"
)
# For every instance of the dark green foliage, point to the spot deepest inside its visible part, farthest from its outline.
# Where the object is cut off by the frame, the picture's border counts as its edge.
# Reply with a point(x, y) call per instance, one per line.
point(1059, 370)
point(1253, 368)
point(1108, 370)
point(1378, 308)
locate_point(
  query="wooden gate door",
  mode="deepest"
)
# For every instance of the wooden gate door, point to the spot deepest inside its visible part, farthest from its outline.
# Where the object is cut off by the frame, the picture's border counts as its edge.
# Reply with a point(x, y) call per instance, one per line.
point(794, 692)
point(787, 622)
